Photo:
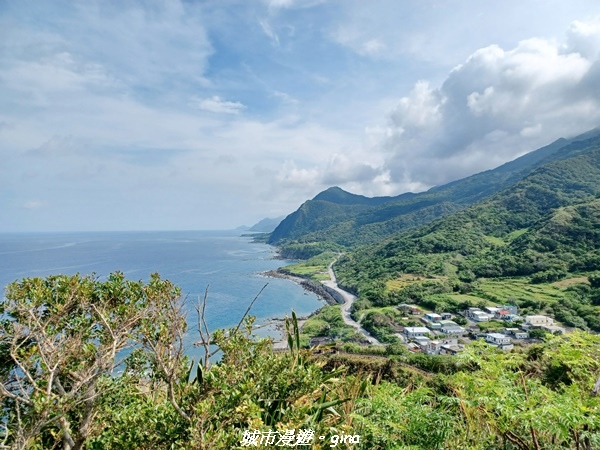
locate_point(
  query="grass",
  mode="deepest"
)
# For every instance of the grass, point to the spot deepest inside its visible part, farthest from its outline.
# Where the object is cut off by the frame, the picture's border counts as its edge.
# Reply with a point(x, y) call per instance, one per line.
point(515, 234)
point(315, 268)
point(570, 281)
point(407, 279)
point(504, 290)
point(494, 240)
point(471, 298)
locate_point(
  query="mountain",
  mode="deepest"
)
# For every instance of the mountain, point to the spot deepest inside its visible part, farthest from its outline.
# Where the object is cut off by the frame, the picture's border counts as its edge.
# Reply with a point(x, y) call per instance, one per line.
point(544, 228)
point(350, 220)
point(338, 195)
point(266, 225)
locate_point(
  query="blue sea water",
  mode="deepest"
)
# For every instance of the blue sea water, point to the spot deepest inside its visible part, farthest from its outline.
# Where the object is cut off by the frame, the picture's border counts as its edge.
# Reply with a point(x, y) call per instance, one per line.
point(228, 264)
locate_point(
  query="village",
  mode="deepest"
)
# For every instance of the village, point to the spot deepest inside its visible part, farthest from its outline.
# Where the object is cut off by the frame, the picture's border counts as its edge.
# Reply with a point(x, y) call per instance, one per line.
point(447, 334)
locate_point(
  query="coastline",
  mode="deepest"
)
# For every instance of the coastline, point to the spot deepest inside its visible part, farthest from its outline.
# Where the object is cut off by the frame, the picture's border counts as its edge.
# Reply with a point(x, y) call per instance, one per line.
point(278, 323)
point(308, 285)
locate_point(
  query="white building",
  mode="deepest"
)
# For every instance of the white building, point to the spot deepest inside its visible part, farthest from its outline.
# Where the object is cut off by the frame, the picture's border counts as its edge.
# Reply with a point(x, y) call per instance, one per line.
point(539, 321)
point(433, 317)
point(477, 315)
point(502, 341)
point(480, 316)
point(413, 332)
point(517, 333)
point(450, 327)
point(434, 347)
point(497, 338)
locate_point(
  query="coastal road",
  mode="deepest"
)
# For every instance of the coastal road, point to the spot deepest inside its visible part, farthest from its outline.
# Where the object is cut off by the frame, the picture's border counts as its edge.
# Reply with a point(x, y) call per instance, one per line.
point(348, 301)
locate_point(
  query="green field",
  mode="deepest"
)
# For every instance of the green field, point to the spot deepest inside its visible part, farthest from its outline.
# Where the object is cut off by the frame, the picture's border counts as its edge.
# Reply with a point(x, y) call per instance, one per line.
point(518, 289)
point(314, 268)
point(408, 279)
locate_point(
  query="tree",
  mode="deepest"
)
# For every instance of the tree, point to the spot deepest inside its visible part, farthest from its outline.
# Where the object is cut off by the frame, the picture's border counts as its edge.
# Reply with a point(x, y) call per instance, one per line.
point(64, 338)
point(594, 279)
point(538, 333)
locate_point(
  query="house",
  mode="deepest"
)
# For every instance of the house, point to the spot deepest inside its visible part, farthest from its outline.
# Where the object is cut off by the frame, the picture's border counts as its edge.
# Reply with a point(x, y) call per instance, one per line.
point(433, 347)
point(477, 315)
point(446, 316)
point(413, 332)
point(491, 310)
point(517, 333)
point(422, 342)
point(539, 321)
point(450, 327)
point(512, 309)
point(450, 349)
point(503, 314)
point(412, 347)
point(502, 341)
point(507, 312)
point(497, 338)
point(432, 317)
point(434, 325)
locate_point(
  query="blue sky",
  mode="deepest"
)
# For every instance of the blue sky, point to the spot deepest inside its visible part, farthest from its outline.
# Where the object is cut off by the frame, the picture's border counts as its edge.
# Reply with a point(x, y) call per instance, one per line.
point(150, 115)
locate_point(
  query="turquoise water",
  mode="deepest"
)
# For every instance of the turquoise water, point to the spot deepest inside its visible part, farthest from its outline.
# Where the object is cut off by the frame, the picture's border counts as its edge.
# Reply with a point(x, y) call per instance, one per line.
point(225, 262)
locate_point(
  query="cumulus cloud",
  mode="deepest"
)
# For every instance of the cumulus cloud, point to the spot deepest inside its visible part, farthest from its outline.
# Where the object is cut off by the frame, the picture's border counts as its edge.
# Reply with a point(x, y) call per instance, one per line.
point(291, 175)
point(216, 104)
point(498, 104)
point(340, 169)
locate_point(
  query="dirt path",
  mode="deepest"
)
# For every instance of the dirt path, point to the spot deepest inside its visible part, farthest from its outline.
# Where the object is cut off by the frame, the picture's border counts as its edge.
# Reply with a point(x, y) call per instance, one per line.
point(348, 300)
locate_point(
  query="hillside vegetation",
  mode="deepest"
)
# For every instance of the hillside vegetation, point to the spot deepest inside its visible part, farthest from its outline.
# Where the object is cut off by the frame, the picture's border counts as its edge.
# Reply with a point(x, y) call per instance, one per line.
point(59, 387)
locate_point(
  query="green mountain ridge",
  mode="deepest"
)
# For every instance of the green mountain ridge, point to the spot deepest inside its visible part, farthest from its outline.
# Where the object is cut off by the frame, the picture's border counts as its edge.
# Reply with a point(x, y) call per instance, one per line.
point(546, 227)
point(350, 220)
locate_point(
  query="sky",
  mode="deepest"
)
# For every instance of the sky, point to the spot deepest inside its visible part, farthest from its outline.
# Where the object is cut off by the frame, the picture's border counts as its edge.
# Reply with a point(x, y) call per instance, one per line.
point(199, 114)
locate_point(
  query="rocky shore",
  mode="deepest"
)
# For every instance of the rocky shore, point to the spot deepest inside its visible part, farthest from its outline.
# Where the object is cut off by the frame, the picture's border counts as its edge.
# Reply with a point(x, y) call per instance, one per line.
point(323, 292)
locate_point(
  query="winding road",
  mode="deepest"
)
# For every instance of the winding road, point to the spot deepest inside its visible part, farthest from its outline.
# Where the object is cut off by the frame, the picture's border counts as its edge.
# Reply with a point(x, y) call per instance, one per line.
point(348, 300)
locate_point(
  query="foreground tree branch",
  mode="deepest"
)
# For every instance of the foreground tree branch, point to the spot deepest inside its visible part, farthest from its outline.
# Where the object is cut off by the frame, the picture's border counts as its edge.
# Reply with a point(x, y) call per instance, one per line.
point(61, 336)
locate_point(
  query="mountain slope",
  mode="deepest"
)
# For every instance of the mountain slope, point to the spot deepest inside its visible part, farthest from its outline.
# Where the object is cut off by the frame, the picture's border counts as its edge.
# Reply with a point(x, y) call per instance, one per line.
point(350, 220)
point(266, 225)
point(548, 221)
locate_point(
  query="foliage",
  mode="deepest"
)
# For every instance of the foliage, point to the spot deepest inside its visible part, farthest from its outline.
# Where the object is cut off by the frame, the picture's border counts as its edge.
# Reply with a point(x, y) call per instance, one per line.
point(63, 337)
point(328, 322)
point(381, 325)
point(534, 398)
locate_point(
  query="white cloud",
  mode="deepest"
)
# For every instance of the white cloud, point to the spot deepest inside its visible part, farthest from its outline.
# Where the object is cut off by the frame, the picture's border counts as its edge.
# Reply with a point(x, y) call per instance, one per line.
point(268, 30)
point(217, 105)
point(185, 112)
point(495, 106)
point(293, 176)
point(584, 38)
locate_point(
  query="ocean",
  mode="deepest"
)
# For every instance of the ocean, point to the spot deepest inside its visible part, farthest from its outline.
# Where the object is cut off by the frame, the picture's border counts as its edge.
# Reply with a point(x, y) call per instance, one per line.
point(229, 264)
